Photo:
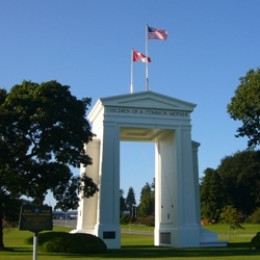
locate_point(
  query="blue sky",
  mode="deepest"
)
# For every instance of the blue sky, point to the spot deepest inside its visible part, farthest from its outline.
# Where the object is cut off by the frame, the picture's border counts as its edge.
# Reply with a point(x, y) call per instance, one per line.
point(86, 44)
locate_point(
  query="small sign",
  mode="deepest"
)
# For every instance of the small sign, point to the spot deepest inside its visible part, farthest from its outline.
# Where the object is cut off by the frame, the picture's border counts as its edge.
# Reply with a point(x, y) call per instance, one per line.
point(35, 219)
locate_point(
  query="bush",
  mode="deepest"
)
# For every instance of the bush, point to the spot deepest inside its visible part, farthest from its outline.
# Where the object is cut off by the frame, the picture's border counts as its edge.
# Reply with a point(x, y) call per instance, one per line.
point(62, 242)
point(125, 219)
point(148, 221)
point(256, 241)
point(255, 217)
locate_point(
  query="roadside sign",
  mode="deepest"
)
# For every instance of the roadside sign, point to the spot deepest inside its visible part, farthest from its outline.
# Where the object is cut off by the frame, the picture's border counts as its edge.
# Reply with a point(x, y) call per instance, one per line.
point(35, 219)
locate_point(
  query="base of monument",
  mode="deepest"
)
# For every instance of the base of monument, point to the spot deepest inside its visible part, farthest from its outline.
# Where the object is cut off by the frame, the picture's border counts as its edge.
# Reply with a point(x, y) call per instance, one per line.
point(210, 239)
point(188, 236)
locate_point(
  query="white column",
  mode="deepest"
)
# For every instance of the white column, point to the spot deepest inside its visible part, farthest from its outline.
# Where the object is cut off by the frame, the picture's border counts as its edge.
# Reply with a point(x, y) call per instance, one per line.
point(176, 216)
point(195, 146)
point(189, 226)
point(108, 222)
point(166, 189)
point(88, 207)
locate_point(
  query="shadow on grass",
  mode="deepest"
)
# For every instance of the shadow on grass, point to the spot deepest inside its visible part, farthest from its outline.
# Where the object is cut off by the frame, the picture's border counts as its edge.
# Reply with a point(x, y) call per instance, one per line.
point(129, 252)
point(18, 249)
point(23, 249)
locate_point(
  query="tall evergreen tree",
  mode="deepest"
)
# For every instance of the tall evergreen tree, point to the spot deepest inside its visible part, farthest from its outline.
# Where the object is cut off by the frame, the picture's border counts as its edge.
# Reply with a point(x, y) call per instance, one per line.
point(122, 202)
point(130, 200)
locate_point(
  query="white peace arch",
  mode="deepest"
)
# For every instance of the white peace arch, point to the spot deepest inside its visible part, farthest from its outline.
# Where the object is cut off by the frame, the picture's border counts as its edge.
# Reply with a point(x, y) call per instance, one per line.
point(153, 117)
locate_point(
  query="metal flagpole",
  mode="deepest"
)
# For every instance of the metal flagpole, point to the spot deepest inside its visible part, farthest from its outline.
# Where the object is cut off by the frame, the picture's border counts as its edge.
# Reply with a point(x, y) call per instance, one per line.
point(146, 53)
point(132, 86)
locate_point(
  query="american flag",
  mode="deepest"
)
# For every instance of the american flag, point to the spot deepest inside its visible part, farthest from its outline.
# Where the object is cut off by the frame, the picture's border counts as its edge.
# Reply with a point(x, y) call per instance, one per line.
point(157, 34)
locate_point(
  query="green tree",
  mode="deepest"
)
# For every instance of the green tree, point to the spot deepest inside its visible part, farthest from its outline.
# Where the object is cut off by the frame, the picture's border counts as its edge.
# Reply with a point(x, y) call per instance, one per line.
point(123, 205)
point(232, 217)
point(43, 129)
point(245, 107)
point(146, 206)
point(130, 200)
point(240, 175)
point(211, 194)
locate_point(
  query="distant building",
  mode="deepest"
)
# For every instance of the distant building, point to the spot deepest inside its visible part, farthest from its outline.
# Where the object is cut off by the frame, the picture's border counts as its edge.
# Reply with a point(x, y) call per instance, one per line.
point(69, 215)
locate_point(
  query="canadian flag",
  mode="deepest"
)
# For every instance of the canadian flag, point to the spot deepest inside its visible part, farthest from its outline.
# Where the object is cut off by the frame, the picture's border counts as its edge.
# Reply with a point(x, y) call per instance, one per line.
point(138, 56)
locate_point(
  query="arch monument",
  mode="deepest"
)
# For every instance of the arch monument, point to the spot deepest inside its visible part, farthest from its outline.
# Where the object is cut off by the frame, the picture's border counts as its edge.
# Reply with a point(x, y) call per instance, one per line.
point(146, 117)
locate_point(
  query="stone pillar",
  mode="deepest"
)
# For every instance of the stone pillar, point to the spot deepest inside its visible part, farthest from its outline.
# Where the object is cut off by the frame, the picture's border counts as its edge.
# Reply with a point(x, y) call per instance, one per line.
point(189, 224)
point(108, 227)
point(88, 207)
point(99, 215)
point(166, 189)
point(177, 223)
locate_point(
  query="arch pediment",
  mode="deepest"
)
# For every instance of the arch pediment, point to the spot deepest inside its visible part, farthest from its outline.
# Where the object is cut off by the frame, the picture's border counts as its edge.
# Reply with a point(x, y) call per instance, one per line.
point(142, 100)
point(148, 99)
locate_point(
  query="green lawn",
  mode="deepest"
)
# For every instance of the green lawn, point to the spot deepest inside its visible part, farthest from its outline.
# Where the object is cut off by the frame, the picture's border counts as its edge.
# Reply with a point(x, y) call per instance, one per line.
point(141, 247)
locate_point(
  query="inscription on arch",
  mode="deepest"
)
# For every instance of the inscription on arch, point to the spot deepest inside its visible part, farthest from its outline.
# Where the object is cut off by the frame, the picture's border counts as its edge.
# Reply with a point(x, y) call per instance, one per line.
point(146, 111)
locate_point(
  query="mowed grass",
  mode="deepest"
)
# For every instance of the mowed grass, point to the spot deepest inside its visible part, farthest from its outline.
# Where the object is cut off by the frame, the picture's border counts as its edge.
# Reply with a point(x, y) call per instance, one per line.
point(140, 246)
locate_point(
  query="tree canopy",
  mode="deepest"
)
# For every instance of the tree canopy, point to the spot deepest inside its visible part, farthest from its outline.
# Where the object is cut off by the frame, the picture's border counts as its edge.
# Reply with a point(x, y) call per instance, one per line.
point(211, 194)
point(43, 129)
point(240, 175)
point(236, 183)
point(147, 200)
point(245, 106)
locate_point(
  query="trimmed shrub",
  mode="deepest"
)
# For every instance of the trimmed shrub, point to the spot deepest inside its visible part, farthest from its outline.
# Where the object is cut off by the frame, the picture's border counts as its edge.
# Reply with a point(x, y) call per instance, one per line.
point(256, 241)
point(62, 242)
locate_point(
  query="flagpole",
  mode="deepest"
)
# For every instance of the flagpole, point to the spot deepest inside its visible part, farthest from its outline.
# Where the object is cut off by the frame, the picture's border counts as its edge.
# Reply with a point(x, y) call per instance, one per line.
point(146, 53)
point(132, 86)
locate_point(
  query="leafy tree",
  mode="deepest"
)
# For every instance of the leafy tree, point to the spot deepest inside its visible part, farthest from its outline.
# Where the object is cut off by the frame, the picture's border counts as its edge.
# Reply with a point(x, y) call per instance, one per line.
point(10, 206)
point(232, 217)
point(245, 107)
point(43, 130)
point(240, 175)
point(130, 200)
point(211, 194)
point(146, 206)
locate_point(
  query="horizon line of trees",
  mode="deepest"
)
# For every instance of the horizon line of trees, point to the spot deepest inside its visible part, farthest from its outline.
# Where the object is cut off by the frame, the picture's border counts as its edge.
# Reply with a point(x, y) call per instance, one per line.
point(234, 184)
point(130, 210)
